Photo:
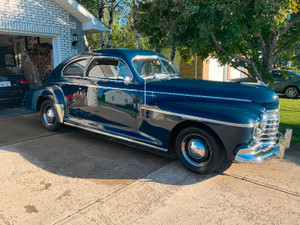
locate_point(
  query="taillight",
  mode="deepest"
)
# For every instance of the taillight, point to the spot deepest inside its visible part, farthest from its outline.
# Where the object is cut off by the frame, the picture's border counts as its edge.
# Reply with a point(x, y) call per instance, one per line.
point(22, 81)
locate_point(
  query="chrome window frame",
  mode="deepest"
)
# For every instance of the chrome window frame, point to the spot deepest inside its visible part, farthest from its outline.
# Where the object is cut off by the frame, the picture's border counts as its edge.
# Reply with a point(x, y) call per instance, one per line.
point(73, 61)
point(152, 57)
point(106, 79)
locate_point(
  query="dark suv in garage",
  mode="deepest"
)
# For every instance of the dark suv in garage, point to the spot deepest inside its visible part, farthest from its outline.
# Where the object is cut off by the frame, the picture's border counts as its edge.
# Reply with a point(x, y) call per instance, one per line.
point(13, 85)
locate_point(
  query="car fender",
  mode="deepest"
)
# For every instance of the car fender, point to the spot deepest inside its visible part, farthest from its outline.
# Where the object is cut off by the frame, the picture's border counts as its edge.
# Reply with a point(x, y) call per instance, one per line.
point(232, 122)
point(34, 99)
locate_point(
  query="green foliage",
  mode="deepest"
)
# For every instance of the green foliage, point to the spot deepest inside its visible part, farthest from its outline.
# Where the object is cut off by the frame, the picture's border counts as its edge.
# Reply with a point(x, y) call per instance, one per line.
point(123, 33)
point(243, 33)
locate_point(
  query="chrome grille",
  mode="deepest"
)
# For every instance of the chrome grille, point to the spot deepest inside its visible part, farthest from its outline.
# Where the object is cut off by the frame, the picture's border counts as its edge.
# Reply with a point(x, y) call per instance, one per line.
point(269, 133)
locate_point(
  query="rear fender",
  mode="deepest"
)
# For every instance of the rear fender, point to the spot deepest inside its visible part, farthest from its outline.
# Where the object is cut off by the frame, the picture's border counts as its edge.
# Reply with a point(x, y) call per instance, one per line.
point(34, 99)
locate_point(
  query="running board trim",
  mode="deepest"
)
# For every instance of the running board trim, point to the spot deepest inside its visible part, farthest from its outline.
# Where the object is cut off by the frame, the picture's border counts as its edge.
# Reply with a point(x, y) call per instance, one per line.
point(116, 136)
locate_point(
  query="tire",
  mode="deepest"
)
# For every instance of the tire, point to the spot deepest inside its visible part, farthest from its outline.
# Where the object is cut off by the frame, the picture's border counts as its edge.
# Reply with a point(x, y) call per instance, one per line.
point(291, 92)
point(198, 150)
point(49, 116)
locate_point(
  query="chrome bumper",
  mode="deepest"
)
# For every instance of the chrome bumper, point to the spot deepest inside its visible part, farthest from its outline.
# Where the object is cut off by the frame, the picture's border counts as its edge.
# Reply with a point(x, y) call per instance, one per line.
point(259, 153)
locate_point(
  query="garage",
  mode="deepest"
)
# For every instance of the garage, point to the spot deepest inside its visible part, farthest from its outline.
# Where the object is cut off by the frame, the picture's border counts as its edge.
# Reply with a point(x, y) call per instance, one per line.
point(28, 56)
point(35, 36)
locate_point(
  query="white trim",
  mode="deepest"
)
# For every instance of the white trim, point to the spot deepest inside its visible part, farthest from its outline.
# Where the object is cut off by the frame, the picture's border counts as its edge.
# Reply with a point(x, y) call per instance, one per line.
point(56, 51)
point(89, 22)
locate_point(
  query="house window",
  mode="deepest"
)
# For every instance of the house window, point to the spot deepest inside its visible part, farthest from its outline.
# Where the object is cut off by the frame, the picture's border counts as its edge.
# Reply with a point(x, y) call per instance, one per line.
point(113, 98)
point(126, 101)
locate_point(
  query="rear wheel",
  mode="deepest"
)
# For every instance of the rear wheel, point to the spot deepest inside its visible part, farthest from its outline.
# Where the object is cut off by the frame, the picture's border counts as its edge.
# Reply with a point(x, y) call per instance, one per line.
point(291, 92)
point(49, 116)
point(198, 150)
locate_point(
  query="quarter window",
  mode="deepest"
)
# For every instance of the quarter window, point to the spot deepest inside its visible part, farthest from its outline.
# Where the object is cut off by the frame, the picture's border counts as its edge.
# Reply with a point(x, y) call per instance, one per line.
point(75, 68)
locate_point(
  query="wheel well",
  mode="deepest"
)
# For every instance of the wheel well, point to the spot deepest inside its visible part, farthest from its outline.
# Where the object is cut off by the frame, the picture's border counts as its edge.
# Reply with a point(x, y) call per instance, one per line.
point(40, 102)
point(185, 124)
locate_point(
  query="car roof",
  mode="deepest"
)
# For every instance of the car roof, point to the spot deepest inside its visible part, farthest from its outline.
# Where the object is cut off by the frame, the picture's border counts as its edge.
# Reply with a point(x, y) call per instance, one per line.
point(125, 52)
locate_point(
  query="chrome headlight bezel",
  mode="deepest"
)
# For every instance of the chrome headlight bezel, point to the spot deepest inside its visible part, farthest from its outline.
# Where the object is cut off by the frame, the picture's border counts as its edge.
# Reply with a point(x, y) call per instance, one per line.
point(263, 121)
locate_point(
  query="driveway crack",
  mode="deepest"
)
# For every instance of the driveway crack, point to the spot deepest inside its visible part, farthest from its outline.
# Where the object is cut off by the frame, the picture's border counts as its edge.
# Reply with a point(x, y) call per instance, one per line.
point(265, 185)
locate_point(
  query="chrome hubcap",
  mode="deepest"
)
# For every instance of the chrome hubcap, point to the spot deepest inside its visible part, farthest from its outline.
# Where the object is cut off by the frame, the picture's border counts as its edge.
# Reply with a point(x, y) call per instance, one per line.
point(196, 150)
point(49, 116)
point(291, 92)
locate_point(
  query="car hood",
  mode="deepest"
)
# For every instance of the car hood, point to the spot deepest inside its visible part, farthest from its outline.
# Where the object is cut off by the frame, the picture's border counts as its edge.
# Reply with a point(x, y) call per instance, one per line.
point(223, 91)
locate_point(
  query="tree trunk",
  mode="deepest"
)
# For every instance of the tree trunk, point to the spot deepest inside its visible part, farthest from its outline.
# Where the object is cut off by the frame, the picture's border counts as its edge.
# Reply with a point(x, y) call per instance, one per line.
point(138, 37)
point(101, 18)
point(110, 23)
point(268, 57)
point(173, 53)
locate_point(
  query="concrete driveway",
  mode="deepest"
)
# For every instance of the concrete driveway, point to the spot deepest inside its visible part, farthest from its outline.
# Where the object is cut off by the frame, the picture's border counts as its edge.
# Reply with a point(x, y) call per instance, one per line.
point(73, 177)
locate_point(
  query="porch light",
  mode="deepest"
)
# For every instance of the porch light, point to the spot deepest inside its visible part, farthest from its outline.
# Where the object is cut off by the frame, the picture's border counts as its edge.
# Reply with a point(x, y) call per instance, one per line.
point(75, 39)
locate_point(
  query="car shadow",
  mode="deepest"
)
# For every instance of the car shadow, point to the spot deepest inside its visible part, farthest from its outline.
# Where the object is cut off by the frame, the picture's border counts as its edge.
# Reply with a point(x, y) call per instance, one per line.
point(80, 154)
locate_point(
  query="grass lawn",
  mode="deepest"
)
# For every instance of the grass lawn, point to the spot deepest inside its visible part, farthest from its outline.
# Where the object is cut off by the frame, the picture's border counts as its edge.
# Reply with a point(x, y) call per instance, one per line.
point(290, 117)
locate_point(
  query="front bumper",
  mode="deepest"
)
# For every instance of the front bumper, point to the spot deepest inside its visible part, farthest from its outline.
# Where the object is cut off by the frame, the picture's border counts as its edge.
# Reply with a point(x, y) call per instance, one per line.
point(259, 153)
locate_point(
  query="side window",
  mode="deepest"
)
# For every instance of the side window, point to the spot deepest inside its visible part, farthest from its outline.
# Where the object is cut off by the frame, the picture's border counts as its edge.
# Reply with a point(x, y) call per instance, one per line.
point(103, 68)
point(75, 68)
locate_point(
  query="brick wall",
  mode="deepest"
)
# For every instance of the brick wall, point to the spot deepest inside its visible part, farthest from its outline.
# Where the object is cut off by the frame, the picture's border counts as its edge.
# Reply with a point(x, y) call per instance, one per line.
point(38, 18)
point(187, 70)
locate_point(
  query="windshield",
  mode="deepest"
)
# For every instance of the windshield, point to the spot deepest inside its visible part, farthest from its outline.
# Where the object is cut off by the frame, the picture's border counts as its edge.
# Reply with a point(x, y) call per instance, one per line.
point(154, 67)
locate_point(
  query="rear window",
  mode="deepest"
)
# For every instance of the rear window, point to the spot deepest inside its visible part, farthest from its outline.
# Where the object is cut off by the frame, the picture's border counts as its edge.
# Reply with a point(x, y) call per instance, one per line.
point(9, 71)
point(75, 68)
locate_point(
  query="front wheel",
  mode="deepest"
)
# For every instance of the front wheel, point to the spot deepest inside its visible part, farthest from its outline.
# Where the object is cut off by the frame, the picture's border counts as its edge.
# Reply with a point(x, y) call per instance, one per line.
point(49, 116)
point(198, 150)
point(291, 92)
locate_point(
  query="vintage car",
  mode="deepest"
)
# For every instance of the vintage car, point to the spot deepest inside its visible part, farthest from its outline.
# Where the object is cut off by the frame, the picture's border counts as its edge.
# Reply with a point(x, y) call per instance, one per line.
point(138, 96)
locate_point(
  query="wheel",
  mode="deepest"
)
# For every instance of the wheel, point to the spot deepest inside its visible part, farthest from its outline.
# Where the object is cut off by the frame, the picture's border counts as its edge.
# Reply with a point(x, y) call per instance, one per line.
point(49, 116)
point(291, 92)
point(198, 150)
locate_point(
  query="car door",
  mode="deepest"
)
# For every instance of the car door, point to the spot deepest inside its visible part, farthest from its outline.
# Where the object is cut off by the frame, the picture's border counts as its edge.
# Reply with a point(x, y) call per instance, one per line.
point(112, 97)
point(75, 87)
point(279, 81)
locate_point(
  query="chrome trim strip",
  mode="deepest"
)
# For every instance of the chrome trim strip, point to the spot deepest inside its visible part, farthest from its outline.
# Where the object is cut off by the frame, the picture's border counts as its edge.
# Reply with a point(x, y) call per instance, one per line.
point(201, 96)
point(96, 86)
point(197, 118)
point(116, 136)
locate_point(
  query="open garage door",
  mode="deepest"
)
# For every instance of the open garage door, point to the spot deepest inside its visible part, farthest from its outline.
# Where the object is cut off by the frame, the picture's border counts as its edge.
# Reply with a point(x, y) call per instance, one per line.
point(25, 63)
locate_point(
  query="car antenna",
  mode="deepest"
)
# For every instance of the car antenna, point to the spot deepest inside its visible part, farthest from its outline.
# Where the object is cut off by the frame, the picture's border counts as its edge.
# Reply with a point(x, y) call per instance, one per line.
point(145, 97)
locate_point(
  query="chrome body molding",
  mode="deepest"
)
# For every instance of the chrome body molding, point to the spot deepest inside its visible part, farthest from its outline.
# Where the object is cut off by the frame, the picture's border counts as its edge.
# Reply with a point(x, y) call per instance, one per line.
point(259, 153)
point(196, 118)
point(201, 96)
point(115, 136)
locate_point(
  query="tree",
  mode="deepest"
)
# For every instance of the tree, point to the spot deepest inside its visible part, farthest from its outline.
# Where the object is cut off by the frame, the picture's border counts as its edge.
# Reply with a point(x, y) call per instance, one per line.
point(135, 19)
point(243, 33)
point(156, 22)
point(96, 7)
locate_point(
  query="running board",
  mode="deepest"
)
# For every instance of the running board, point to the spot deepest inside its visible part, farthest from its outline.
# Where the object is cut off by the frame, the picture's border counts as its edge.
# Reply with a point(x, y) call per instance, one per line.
point(115, 136)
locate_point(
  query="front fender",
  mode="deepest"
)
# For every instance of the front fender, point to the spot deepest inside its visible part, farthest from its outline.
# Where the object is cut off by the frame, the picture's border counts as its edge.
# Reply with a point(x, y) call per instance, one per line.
point(232, 122)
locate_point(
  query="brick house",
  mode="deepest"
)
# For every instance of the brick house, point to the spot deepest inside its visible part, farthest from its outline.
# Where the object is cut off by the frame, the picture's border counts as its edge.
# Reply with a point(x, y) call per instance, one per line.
point(209, 69)
point(36, 35)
